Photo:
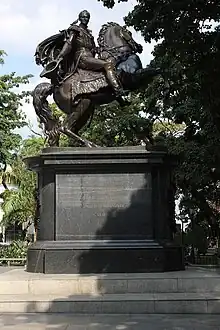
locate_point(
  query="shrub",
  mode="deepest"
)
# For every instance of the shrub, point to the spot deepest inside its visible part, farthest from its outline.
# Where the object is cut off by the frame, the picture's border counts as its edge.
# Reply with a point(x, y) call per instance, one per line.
point(17, 249)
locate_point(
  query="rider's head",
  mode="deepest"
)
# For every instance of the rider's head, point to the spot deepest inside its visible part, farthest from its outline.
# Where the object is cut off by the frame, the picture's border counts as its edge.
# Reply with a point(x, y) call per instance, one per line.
point(84, 17)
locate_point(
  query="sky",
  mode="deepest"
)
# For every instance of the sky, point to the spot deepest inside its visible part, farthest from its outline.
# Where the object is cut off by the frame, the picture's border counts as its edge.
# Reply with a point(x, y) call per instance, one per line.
point(25, 23)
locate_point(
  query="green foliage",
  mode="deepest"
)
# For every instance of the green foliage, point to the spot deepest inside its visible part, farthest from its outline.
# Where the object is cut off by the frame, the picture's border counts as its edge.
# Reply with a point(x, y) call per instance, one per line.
point(188, 53)
point(57, 112)
point(167, 128)
point(197, 237)
point(19, 205)
point(2, 53)
point(11, 117)
point(17, 249)
point(31, 146)
point(111, 3)
point(187, 94)
point(116, 126)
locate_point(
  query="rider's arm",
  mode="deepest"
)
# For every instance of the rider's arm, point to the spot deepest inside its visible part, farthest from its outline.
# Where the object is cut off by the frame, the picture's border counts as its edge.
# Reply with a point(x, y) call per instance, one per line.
point(67, 47)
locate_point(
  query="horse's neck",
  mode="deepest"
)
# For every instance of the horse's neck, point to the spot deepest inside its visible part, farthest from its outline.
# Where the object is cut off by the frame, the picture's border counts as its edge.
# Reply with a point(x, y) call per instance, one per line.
point(113, 38)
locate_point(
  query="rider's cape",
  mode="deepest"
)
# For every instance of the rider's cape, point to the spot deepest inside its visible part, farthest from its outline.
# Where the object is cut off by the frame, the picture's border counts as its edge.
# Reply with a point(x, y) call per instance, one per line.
point(50, 48)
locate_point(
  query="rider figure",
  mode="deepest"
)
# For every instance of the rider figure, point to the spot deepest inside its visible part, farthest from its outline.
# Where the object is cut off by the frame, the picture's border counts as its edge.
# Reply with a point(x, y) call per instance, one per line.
point(83, 42)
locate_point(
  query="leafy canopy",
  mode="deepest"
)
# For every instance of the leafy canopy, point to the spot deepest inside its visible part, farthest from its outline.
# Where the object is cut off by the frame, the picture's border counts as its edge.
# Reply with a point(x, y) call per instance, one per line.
point(19, 205)
point(188, 52)
point(11, 116)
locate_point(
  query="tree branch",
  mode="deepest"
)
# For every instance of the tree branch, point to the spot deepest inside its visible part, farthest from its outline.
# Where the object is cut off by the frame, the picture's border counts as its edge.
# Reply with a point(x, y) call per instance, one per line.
point(4, 183)
point(31, 129)
point(35, 132)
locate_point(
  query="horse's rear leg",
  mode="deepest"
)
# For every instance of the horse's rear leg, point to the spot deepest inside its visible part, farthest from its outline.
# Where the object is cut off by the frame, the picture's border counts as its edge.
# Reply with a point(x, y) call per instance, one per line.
point(77, 119)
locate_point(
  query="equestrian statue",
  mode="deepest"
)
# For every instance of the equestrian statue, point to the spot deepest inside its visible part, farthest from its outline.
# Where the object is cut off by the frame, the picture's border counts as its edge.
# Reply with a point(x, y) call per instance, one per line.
point(83, 75)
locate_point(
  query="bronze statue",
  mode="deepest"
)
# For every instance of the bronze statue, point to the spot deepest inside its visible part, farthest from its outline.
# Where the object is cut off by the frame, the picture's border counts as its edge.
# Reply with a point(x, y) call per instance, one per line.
point(83, 75)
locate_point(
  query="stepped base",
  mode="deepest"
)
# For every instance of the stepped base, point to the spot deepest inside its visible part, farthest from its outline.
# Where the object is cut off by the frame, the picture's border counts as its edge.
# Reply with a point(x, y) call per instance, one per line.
point(194, 291)
point(96, 257)
point(109, 322)
point(176, 303)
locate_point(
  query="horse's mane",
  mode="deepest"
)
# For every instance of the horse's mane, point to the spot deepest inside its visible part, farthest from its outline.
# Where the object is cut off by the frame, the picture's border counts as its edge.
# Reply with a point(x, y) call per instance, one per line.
point(104, 28)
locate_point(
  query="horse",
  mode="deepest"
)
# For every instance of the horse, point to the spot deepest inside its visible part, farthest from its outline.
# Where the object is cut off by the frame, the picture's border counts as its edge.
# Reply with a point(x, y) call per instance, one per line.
point(82, 90)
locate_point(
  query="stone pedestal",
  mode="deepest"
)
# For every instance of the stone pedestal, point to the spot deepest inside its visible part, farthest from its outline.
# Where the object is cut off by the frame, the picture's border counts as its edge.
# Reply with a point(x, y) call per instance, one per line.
point(107, 210)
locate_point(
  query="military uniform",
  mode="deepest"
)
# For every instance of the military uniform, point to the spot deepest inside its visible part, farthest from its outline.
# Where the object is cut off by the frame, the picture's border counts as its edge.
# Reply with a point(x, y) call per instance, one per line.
point(82, 41)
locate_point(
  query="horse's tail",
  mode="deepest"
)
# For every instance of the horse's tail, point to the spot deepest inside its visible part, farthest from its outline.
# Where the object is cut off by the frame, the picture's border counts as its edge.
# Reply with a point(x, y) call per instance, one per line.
point(41, 105)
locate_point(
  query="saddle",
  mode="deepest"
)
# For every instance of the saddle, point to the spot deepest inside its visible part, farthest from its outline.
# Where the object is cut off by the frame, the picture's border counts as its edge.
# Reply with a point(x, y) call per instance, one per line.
point(87, 82)
point(88, 75)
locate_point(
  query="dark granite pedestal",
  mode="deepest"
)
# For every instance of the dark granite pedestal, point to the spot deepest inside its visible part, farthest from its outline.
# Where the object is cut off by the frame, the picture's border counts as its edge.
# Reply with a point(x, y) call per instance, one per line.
point(107, 210)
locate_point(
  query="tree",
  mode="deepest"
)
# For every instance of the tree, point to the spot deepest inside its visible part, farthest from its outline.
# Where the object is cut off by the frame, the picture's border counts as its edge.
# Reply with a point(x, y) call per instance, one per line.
point(188, 93)
point(11, 117)
point(19, 205)
point(112, 125)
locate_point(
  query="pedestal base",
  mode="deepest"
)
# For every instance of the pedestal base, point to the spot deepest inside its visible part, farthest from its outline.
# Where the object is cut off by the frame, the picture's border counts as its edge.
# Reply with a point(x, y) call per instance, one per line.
point(97, 257)
point(107, 210)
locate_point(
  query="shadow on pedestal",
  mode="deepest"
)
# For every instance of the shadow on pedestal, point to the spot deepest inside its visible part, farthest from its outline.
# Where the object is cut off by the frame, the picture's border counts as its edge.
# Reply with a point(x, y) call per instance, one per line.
point(140, 255)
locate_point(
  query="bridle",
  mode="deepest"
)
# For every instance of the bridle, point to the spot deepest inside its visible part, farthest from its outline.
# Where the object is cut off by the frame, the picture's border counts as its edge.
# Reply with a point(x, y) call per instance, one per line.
point(113, 51)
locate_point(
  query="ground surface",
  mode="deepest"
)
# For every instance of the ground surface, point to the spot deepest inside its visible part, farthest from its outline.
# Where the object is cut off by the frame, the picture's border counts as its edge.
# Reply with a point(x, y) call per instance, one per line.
point(108, 322)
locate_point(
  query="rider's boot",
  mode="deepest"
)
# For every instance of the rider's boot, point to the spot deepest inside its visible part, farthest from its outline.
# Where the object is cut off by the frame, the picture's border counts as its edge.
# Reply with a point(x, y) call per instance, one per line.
point(117, 87)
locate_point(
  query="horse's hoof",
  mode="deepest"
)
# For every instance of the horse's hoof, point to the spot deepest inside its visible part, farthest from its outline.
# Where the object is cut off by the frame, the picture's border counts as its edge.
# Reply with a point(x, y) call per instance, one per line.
point(91, 145)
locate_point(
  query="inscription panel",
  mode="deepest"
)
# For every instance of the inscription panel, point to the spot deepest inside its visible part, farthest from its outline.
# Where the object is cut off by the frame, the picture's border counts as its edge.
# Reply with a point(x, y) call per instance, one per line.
point(109, 206)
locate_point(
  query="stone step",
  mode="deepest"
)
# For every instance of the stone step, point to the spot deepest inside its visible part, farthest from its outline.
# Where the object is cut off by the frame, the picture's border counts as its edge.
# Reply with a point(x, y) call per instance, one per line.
point(173, 303)
point(19, 282)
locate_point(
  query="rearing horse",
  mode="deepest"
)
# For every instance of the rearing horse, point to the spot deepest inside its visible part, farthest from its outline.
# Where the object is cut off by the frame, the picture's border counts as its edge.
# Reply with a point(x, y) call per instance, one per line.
point(80, 91)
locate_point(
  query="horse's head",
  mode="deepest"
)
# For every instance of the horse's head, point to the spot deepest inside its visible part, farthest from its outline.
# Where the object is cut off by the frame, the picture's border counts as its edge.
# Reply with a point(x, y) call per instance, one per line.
point(115, 40)
point(127, 36)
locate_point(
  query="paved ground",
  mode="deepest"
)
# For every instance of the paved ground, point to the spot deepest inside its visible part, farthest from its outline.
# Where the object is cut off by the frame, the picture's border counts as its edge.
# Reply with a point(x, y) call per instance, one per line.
point(6, 269)
point(108, 322)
